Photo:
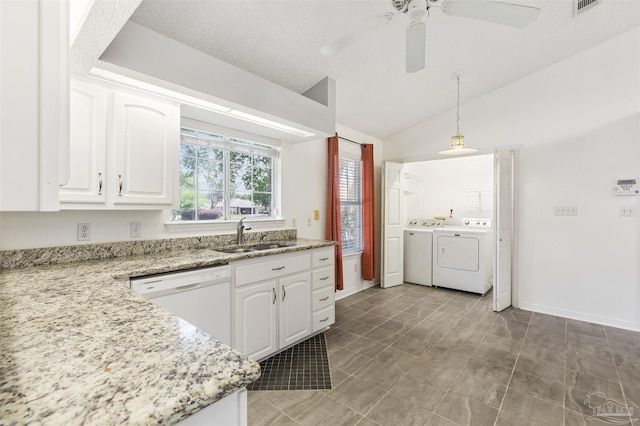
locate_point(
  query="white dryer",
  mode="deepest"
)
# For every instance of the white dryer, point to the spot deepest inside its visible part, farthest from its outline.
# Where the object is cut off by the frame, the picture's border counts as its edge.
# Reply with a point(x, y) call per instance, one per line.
point(418, 248)
point(463, 256)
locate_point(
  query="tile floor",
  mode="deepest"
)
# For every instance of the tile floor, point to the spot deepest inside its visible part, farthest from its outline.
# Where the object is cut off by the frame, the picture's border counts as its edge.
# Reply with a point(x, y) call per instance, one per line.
point(414, 355)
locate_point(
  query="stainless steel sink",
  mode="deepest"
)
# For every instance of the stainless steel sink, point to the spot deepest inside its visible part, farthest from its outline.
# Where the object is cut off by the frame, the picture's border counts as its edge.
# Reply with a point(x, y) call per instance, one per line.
point(257, 247)
point(237, 250)
point(266, 246)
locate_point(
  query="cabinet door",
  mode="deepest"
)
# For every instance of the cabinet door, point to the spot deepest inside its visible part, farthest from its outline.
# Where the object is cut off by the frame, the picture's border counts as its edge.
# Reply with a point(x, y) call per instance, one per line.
point(295, 308)
point(34, 95)
point(87, 148)
point(256, 320)
point(146, 137)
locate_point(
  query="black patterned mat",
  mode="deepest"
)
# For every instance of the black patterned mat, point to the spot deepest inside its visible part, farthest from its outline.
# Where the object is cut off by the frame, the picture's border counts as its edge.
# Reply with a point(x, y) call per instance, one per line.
point(301, 367)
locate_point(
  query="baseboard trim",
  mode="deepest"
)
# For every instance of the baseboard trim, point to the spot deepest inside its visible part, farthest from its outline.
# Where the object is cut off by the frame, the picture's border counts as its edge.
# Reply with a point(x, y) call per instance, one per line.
point(581, 316)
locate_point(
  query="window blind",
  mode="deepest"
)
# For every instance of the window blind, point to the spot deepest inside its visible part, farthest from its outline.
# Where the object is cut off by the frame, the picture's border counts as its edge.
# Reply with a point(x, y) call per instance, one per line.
point(351, 204)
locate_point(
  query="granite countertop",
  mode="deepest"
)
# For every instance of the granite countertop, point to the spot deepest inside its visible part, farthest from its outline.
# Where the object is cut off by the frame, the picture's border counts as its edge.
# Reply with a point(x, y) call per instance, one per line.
point(77, 346)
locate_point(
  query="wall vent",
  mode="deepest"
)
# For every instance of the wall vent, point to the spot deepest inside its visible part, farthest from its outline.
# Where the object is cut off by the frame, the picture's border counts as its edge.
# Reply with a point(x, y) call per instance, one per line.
point(580, 6)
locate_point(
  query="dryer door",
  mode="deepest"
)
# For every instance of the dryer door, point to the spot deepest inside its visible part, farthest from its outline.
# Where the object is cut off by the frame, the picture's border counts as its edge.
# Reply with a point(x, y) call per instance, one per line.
point(458, 252)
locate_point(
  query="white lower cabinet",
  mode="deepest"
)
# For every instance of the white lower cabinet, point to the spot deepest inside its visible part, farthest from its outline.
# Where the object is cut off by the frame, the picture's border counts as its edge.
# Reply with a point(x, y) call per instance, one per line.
point(256, 319)
point(295, 308)
point(275, 302)
point(230, 410)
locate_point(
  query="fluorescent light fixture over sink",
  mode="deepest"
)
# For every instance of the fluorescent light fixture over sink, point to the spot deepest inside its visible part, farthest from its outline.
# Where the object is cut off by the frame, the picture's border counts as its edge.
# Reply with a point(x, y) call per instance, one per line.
point(250, 118)
point(457, 141)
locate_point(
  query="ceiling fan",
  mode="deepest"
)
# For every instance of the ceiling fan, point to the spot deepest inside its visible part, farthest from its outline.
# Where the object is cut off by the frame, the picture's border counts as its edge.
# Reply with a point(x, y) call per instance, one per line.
point(514, 15)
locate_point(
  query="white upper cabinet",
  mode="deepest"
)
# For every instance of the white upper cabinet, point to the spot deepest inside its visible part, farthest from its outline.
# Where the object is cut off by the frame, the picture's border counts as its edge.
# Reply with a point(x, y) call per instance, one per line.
point(124, 150)
point(146, 135)
point(34, 42)
point(87, 144)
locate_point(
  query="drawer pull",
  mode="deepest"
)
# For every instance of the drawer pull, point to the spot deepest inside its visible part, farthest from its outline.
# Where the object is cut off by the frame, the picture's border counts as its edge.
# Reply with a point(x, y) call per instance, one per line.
point(323, 299)
point(278, 269)
point(323, 258)
point(325, 278)
point(323, 320)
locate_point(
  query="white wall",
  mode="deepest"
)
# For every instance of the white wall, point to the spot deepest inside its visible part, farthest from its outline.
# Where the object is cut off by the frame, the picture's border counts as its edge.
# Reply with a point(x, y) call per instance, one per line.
point(304, 183)
point(576, 127)
point(462, 184)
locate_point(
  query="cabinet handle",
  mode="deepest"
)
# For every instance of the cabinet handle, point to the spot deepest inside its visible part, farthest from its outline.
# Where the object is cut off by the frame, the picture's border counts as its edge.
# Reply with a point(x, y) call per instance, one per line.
point(99, 183)
point(284, 293)
point(273, 302)
point(277, 269)
point(323, 299)
point(325, 278)
point(324, 258)
point(119, 185)
point(323, 320)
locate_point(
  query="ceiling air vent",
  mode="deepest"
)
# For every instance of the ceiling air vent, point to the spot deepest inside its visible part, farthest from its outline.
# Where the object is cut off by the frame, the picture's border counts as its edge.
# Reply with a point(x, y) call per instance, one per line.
point(580, 6)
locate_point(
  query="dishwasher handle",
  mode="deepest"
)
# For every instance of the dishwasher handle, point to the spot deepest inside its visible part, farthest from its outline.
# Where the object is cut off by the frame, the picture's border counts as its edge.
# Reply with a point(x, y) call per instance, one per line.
point(175, 282)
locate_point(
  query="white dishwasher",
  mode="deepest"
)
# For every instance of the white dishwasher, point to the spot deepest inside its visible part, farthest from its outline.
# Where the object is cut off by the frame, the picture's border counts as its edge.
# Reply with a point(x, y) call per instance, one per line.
point(201, 297)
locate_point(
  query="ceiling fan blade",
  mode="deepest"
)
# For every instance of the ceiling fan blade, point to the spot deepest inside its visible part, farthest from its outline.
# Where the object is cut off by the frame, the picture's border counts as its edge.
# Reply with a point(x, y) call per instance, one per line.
point(367, 27)
point(513, 15)
point(416, 43)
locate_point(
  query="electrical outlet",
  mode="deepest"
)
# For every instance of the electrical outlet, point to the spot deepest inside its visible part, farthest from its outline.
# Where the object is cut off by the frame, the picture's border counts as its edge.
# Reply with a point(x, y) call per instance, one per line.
point(135, 229)
point(309, 221)
point(565, 211)
point(293, 222)
point(84, 232)
point(628, 211)
point(316, 215)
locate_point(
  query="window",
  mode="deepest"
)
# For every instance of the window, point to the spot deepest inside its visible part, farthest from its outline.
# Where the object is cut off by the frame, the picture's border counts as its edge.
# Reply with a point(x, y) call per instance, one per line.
point(351, 203)
point(225, 178)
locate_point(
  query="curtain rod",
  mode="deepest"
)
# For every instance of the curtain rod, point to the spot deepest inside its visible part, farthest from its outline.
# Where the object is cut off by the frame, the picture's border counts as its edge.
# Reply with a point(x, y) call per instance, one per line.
point(349, 140)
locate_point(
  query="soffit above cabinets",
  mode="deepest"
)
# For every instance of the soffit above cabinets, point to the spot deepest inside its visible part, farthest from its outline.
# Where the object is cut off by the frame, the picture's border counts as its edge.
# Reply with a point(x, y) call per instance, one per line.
point(211, 90)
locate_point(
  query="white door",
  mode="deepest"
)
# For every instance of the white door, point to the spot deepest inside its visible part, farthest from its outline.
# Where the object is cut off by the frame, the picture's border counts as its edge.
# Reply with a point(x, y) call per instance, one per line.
point(295, 308)
point(503, 208)
point(256, 333)
point(393, 225)
point(146, 138)
point(87, 144)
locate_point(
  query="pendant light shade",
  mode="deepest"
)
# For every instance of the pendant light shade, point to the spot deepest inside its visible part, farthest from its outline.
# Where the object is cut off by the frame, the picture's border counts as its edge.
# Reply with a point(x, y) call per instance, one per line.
point(457, 141)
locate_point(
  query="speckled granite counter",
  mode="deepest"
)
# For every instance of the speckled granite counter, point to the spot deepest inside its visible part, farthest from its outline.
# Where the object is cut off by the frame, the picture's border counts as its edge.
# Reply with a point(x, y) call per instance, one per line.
point(78, 347)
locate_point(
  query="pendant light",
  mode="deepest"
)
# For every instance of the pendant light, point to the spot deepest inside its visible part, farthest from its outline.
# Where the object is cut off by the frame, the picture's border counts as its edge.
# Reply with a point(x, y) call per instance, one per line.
point(457, 141)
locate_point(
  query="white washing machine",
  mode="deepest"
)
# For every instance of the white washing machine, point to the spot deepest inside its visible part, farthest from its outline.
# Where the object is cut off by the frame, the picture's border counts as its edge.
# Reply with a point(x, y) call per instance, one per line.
point(463, 255)
point(418, 248)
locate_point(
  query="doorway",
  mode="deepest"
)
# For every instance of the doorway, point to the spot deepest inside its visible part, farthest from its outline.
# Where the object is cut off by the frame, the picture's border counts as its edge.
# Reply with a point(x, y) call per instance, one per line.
point(479, 186)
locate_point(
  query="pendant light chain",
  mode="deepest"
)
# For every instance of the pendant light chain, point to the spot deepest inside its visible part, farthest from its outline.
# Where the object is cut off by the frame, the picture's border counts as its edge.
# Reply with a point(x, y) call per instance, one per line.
point(458, 109)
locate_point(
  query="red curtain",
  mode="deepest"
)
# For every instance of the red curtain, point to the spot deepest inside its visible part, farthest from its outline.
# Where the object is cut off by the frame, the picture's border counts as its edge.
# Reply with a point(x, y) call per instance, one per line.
point(334, 228)
point(368, 215)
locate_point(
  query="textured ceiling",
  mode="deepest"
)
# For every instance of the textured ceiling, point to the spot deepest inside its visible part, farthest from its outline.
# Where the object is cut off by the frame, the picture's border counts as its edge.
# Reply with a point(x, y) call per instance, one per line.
point(280, 41)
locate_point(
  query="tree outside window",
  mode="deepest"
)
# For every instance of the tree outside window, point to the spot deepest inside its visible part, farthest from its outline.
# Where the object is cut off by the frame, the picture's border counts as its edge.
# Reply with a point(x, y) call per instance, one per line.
point(218, 182)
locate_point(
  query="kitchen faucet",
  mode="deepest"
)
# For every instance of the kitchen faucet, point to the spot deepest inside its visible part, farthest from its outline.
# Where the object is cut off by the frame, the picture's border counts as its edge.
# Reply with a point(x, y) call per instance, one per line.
point(241, 228)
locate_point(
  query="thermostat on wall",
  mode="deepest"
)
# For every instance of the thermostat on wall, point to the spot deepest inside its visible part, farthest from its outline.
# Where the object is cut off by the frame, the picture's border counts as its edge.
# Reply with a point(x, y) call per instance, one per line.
point(627, 187)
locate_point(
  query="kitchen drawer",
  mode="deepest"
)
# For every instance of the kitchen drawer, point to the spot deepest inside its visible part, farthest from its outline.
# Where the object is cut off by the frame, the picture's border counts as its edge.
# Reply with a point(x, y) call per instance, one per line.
point(323, 277)
point(322, 258)
point(322, 298)
point(323, 318)
point(266, 270)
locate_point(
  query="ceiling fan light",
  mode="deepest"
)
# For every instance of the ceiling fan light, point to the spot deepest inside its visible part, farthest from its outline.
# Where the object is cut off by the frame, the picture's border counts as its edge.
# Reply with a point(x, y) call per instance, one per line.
point(417, 9)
